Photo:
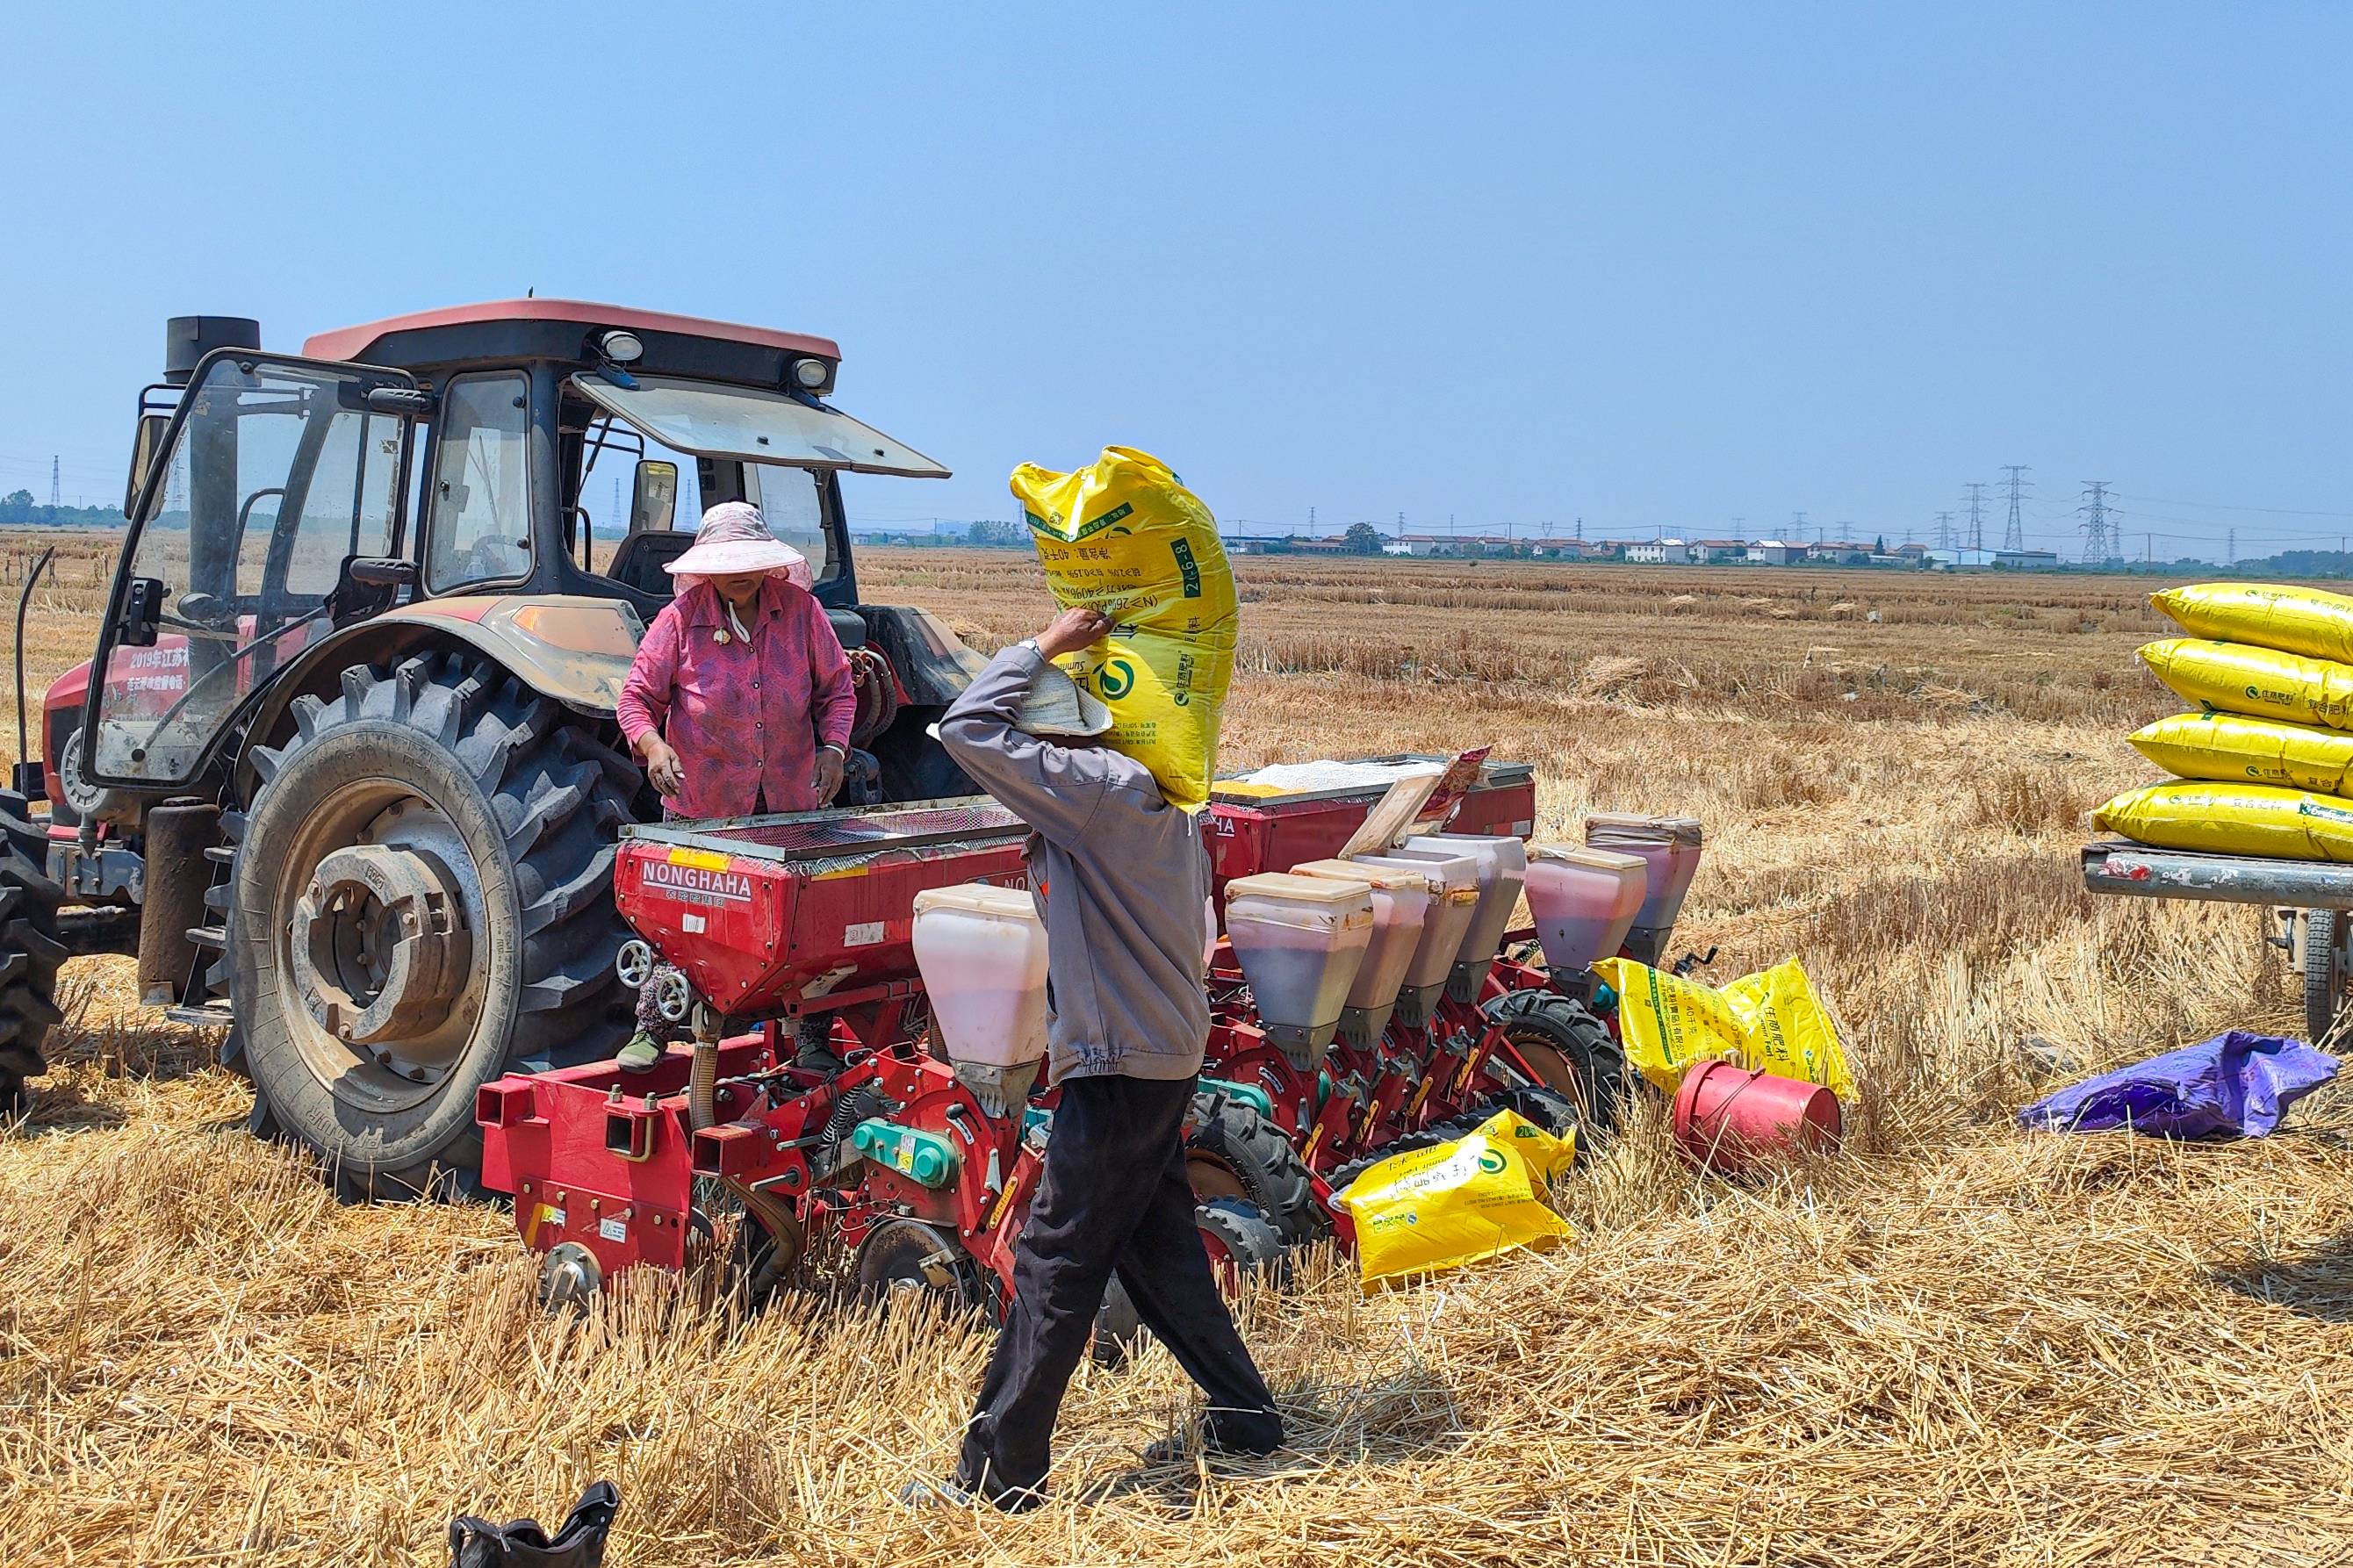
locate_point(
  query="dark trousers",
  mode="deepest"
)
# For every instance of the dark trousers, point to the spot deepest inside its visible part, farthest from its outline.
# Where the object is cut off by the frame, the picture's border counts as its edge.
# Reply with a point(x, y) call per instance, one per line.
point(1112, 1196)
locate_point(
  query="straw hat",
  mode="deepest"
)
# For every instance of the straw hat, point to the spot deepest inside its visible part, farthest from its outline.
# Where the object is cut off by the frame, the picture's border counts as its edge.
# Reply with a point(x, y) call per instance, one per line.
point(733, 539)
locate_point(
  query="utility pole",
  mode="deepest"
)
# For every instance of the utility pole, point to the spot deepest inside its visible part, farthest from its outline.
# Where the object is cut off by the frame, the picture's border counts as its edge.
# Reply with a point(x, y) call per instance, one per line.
point(2014, 537)
point(55, 498)
point(1944, 530)
point(2094, 526)
point(1976, 516)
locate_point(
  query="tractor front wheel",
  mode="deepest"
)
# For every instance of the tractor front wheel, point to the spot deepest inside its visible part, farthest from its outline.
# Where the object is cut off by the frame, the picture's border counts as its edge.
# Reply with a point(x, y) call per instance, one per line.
point(421, 898)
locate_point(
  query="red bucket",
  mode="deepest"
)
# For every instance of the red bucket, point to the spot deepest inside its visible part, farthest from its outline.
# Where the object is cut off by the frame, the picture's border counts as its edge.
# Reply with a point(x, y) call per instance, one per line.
point(1726, 1116)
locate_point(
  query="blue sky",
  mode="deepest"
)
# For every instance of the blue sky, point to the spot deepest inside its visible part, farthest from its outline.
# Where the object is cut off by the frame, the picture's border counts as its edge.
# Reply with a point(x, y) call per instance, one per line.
point(1655, 266)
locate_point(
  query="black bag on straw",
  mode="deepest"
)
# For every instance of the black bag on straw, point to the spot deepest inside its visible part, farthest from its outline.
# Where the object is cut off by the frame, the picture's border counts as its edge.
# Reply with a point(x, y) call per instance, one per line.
point(521, 1543)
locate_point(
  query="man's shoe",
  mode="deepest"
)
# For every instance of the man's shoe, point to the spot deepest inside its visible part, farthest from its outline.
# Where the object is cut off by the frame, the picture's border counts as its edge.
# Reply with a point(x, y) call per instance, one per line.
point(954, 1494)
point(1182, 1450)
point(642, 1054)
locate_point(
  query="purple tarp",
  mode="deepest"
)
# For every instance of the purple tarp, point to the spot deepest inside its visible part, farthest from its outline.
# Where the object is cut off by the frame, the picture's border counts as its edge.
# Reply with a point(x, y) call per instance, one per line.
point(2233, 1083)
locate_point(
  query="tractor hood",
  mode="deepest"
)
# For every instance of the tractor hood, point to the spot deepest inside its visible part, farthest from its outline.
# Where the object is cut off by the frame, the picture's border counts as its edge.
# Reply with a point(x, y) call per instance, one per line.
point(710, 420)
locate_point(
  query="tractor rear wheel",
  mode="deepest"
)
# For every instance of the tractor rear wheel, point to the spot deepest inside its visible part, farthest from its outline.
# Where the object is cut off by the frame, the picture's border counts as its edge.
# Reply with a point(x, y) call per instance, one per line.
point(421, 898)
point(1232, 1151)
point(29, 949)
point(1571, 1051)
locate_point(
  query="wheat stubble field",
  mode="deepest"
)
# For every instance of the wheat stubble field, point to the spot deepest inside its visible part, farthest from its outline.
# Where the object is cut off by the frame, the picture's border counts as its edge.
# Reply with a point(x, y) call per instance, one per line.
point(1953, 1344)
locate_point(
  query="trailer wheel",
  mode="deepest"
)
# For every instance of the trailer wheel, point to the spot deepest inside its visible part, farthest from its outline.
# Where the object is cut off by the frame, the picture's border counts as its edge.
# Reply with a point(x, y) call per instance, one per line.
point(1569, 1051)
point(2326, 977)
point(421, 898)
point(1233, 1152)
point(29, 949)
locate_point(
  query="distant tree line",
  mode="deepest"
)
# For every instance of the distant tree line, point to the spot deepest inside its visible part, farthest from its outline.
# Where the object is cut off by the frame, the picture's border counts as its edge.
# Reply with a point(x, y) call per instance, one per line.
point(17, 510)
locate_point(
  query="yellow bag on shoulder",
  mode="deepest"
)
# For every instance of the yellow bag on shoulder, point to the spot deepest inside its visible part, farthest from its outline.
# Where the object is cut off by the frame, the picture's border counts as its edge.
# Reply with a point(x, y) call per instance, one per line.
point(1430, 1210)
point(1127, 538)
point(1772, 1021)
point(2261, 682)
point(2222, 818)
point(2269, 615)
point(2250, 751)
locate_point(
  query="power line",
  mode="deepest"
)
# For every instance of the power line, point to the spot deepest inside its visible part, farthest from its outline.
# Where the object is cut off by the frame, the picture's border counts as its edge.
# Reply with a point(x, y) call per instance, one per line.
point(2226, 505)
point(1976, 516)
point(2013, 536)
point(2095, 527)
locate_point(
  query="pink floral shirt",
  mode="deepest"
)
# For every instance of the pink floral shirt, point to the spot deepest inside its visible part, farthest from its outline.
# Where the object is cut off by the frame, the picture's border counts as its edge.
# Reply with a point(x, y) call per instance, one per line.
point(745, 715)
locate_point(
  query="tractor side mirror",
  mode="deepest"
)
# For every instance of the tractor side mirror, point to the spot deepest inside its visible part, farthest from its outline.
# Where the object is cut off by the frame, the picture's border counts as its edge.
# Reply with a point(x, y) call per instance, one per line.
point(145, 447)
point(653, 498)
point(143, 607)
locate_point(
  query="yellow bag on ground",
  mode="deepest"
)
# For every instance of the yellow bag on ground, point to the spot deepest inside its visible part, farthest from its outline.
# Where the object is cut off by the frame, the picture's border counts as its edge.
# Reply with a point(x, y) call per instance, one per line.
point(2262, 682)
point(2233, 819)
point(2268, 615)
point(1127, 538)
point(1771, 1021)
point(2254, 751)
point(1430, 1210)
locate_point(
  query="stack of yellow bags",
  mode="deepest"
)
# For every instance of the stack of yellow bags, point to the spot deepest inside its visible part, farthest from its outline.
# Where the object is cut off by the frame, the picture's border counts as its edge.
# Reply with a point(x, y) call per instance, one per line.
point(2265, 759)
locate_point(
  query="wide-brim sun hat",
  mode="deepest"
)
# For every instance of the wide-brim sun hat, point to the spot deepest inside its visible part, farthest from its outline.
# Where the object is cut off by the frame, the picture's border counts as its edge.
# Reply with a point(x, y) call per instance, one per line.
point(1057, 705)
point(735, 541)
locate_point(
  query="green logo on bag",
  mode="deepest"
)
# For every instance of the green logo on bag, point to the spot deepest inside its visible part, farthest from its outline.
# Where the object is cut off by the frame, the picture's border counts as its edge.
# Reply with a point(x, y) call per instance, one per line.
point(1116, 680)
point(1096, 525)
point(1491, 1162)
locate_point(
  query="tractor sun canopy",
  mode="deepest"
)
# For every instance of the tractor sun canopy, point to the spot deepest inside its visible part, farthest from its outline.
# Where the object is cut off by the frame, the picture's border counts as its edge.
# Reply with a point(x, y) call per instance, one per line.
point(708, 419)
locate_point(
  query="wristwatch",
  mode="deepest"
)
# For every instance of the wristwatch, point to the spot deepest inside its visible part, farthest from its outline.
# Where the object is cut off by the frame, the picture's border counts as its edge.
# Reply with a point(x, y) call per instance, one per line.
point(1032, 644)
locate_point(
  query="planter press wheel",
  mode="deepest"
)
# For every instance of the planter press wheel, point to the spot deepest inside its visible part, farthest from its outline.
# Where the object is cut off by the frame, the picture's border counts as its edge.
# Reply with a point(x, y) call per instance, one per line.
point(1569, 1051)
point(2327, 973)
point(1234, 1154)
point(903, 1260)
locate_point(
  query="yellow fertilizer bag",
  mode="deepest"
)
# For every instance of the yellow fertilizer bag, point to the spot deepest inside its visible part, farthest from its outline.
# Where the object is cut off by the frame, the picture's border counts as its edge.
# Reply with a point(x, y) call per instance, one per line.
point(1127, 538)
point(1430, 1210)
point(2254, 751)
point(2269, 615)
point(2260, 682)
point(1773, 1021)
point(2225, 818)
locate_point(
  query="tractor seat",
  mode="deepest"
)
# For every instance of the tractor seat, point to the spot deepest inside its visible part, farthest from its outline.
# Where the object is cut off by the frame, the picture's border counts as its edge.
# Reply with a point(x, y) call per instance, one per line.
point(641, 555)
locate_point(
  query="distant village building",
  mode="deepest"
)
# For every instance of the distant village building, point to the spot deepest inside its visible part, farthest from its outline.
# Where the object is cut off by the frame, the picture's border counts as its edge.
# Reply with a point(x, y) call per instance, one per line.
point(2026, 560)
point(1772, 552)
point(1713, 550)
point(1841, 551)
point(1659, 552)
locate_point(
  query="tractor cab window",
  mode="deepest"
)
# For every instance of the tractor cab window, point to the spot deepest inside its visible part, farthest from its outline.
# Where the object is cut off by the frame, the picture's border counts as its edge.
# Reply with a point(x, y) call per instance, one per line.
point(792, 504)
point(479, 530)
point(278, 472)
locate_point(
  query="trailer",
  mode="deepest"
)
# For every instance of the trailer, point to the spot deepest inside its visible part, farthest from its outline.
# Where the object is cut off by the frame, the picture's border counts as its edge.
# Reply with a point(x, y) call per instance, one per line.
point(2307, 900)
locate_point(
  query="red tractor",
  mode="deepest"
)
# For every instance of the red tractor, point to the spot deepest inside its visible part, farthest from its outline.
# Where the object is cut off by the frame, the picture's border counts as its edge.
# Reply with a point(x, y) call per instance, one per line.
point(344, 772)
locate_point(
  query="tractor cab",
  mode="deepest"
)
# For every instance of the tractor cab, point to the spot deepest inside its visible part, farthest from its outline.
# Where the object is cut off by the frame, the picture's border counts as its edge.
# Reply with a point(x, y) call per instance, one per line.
point(451, 466)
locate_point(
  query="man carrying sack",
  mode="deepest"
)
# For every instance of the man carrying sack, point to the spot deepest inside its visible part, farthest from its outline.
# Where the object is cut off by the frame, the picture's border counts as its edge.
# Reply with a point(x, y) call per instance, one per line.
point(1122, 879)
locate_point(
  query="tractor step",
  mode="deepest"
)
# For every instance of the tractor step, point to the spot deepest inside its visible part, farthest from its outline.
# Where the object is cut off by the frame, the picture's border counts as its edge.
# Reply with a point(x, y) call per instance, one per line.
point(212, 1017)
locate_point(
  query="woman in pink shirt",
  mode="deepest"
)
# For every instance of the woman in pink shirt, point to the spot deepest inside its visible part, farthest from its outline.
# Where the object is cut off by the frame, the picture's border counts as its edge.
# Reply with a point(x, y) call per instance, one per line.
point(740, 699)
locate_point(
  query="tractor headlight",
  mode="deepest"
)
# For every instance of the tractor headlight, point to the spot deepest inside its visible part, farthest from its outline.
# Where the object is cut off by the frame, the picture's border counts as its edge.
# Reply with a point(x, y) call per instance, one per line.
point(622, 348)
point(811, 374)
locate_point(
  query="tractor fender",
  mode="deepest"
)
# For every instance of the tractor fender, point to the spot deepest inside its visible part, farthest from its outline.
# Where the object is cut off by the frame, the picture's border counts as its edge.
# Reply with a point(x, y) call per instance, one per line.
point(569, 648)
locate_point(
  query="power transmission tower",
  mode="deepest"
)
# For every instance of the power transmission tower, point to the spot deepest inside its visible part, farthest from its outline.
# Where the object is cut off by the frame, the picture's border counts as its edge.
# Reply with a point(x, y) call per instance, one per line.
point(56, 497)
point(1976, 516)
point(2094, 526)
point(1798, 535)
point(2231, 548)
point(1944, 530)
point(2014, 537)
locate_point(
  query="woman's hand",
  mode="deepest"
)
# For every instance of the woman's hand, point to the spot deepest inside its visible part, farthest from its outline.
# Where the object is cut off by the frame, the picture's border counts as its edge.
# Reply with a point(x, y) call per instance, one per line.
point(1072, 630)
point(827, 776)
point(662, 769)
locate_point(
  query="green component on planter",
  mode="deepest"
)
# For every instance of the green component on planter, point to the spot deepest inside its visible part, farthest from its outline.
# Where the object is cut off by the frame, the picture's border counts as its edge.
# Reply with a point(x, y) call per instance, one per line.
point(1249, 1094)
point(925, 1157)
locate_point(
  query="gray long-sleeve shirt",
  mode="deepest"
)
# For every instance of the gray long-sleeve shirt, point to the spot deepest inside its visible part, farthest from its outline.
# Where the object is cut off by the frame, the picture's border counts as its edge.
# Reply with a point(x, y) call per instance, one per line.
point(1120, 876)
